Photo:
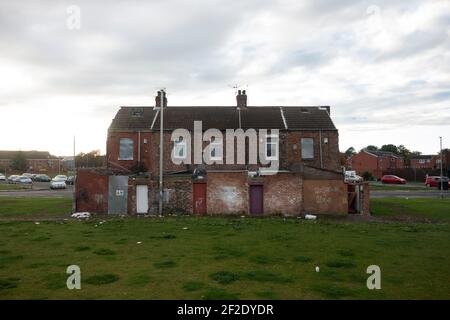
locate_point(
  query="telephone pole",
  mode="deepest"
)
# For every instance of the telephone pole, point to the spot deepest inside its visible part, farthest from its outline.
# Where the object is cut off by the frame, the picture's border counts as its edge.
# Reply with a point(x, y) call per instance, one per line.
point(161, 94)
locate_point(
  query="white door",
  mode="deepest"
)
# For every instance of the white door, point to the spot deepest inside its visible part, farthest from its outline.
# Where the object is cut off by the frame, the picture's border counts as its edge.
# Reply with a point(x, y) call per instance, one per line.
point(142, 199)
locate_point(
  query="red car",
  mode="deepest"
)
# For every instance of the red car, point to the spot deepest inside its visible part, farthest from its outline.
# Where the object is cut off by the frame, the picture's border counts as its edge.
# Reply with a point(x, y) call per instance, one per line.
point(433, 181)
point(392, 179)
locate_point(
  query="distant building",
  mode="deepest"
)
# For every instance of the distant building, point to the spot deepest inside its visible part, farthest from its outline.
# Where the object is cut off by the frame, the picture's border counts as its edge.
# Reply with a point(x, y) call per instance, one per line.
point(37, 161)
point(423, 162)
point(375, 162)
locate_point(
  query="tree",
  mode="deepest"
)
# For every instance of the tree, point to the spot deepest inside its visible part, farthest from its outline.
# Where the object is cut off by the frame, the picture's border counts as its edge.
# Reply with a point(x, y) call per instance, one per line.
point(371, 148)
point(90, 159)
point(19, 162)
point(350, 151)
point(389, 148)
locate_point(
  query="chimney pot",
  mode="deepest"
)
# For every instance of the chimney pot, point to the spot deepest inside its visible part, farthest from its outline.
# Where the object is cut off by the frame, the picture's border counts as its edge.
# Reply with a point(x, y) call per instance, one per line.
point(241, 99)
point(158, 100)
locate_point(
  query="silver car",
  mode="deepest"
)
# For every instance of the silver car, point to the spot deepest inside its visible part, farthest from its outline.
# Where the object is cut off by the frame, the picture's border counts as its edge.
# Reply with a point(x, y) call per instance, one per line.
point(57, 184)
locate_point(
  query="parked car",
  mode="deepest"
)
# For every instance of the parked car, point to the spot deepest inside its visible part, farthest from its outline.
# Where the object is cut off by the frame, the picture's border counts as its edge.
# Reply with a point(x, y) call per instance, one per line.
point(13, 178)
point(33, 176)
point(70, 180)
point(24, 180)
point(433, 181)
point(2, 177)
point(42, 178)
point(61, 177)
point(392, 179)
point(57, 184)
point(351, 176)
point(27, 175)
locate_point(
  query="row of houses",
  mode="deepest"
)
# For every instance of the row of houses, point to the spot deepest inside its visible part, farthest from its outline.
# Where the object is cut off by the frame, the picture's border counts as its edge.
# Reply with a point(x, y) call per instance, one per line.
point(378, 163)
point(302, 144)
point(36, 161)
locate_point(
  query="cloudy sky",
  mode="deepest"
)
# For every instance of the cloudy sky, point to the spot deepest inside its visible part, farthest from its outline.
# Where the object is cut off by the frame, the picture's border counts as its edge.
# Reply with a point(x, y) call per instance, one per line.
point(383, 66)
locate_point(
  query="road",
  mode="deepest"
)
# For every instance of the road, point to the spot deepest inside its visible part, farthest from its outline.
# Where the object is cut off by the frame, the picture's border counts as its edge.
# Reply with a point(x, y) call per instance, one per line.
point(40, 189)
point(407, 194)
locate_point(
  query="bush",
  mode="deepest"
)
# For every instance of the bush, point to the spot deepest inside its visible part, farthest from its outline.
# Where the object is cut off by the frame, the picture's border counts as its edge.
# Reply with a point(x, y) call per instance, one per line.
point(367, 176)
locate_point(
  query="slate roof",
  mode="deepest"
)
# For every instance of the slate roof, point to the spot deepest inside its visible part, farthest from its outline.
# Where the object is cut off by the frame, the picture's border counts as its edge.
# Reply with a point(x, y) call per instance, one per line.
point(422, 157)
point(261, 117)
point(384, 154)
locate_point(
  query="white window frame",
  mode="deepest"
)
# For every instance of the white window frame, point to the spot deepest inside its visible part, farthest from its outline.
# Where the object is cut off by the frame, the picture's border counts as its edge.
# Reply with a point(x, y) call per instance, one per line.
point(215, 145)
point(301, 145)
point(176, 145)
point(272, 136)
point(132, 149)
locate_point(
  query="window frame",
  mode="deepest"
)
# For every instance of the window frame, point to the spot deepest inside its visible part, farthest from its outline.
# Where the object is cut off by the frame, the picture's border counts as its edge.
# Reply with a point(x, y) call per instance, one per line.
point(120, 149)
point(276, 143)
point(302, 148)
point(176, 144)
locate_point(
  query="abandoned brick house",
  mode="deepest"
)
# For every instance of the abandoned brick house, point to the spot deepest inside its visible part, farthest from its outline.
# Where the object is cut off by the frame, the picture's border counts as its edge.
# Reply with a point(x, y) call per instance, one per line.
point(309, 178)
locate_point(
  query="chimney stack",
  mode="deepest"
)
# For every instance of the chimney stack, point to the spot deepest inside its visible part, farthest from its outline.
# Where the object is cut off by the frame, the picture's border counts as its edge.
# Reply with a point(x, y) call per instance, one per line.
point(158, 100)
point(241, 99)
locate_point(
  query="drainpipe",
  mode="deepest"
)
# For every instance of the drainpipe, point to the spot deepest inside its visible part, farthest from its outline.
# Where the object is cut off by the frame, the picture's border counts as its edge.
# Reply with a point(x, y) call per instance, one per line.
point(320, 148)
point(161, 151)
point(139, 146)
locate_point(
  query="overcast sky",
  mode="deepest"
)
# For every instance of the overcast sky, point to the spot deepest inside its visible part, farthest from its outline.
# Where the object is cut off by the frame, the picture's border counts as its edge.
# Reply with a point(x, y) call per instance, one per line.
point(382, 66)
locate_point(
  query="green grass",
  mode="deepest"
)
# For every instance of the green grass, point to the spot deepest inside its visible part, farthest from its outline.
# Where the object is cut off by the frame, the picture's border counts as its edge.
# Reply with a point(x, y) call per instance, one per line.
point(433, 209)
point(24, 206)
point(223, 258)
point(411, 186)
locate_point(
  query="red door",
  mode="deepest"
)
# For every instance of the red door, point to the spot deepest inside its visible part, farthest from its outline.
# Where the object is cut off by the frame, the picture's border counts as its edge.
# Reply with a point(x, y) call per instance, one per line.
point(256, 199)
point(199, 198)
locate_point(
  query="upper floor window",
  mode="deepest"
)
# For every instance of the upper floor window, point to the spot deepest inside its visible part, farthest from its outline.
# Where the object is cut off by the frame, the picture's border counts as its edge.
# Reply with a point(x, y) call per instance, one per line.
point(126, 149)
point(272, 147)
point(215, 149)
point(307, 148)
point(179, 150)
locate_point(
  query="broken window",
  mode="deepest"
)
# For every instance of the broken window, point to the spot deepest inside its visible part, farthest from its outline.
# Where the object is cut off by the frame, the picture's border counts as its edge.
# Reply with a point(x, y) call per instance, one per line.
point(272, 147)
point(307, 148)
point(179, 148)
point(126, 149)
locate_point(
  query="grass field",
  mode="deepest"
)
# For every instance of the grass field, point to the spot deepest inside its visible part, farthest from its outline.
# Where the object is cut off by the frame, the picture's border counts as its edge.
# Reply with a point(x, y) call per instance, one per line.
point(7, 187)
point(221, 258)
point(433, 209)
point(411, 186)
point(32, 207)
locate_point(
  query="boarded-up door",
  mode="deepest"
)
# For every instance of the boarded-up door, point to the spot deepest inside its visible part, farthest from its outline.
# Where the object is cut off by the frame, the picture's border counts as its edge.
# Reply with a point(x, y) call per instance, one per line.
point(256, 199)
point(199, 198)
point(118, 195)
point(142, 199)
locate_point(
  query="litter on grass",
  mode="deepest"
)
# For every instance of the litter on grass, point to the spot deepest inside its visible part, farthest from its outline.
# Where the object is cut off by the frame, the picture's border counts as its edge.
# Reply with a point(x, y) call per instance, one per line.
point(81, 215)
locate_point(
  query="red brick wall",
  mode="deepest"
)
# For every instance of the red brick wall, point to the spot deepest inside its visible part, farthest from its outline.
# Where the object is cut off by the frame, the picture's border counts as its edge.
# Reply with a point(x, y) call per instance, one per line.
point(91, 190)
point(362, 162)
point(290, 151)
point(227, 193)
point(283, 194)
point(325, 196)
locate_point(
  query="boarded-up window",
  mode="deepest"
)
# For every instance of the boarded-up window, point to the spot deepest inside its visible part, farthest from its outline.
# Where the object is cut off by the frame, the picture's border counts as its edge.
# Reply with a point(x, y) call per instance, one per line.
point(126, 149)
point(307, 148)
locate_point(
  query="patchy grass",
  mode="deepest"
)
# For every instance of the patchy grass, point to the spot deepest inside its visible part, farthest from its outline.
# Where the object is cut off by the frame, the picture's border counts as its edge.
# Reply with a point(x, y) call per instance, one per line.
point(13, 187)
point(28, 207)
point(223, 258)
point(433, 209)
point(102, 279)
